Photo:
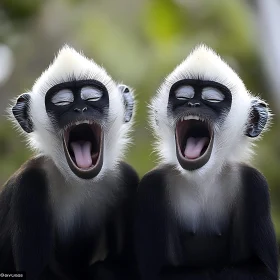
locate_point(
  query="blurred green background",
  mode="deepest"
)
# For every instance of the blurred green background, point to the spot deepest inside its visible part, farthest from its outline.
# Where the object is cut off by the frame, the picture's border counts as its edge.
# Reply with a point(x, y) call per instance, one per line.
point(139, 43)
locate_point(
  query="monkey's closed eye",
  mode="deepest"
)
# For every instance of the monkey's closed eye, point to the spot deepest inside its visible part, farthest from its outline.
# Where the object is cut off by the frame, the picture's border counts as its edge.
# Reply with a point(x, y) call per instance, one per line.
point(184, 92)
point(63, 97)
point(91, 94)
point(212, 95)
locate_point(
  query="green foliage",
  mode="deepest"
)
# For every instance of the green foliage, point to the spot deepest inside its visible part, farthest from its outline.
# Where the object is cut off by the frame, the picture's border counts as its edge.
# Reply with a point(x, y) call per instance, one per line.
point(18, 10)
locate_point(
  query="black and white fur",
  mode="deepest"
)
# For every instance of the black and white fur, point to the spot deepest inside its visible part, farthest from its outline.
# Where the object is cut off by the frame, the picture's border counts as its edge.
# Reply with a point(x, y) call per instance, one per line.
point(210, 221)
point(55, 224)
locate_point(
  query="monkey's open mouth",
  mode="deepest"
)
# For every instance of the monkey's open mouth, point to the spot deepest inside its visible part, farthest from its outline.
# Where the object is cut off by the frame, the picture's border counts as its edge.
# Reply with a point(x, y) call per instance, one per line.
point(194, 142)
point(83, 147)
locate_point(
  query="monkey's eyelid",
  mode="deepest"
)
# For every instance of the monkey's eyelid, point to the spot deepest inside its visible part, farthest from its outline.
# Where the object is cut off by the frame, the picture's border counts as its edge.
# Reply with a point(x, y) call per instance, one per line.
point(62, 103)
point(64, 95)
point(93, 99)
point(184, 92)
point(91, 93)
point(212, 95)
point(183, 98)
point(213, 100)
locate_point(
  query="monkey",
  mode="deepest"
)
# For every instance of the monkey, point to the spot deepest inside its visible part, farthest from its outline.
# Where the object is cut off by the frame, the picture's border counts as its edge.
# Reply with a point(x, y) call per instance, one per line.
point(68, 209)
point(204, 212)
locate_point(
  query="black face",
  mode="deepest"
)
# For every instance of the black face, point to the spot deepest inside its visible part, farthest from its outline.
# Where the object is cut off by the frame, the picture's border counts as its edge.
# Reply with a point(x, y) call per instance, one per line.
point(80, 109)
point(197, 105)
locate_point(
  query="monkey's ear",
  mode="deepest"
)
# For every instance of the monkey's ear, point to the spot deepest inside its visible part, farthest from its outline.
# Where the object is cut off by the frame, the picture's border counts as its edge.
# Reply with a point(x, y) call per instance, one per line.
point(257, 119)
point(21, 112)
point(128, 99)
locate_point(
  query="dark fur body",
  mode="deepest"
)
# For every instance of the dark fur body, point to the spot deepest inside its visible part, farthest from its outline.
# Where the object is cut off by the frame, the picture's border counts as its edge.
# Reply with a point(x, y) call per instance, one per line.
point(228, 235)
point(53, 232)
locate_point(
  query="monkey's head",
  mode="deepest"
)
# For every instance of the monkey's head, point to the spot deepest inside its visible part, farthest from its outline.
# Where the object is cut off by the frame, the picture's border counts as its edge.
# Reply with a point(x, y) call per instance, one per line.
point(203, 116)
point(77, 115)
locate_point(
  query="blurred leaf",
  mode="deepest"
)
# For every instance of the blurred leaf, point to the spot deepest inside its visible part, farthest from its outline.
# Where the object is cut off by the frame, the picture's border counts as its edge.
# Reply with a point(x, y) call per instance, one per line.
point(20, 10)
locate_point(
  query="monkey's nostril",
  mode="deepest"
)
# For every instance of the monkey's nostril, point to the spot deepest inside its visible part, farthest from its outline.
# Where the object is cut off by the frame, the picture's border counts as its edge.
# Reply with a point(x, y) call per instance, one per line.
point(190, 104)
point(80, 110)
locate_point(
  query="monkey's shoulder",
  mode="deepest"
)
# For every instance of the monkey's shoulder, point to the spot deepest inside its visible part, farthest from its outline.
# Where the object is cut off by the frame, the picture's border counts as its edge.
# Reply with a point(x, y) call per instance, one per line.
point(254, 184)
point(252, 175)
point(31, 170)
point(128, 174)
point(26, 188)
point(248, 177)
point(153, 183)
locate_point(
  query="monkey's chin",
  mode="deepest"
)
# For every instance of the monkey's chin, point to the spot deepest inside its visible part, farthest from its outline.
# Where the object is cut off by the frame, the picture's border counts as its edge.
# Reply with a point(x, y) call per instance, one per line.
point(194, 142)
point(83, 145)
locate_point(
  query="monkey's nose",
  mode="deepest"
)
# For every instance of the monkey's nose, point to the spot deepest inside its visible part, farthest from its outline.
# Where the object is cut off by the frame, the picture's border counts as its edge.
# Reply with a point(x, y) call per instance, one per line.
point(190, 104)
point(78, 110)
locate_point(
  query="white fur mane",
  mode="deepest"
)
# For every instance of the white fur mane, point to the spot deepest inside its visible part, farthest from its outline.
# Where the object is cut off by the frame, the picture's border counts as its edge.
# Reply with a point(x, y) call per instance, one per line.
point(230, 143)
point(69, 65)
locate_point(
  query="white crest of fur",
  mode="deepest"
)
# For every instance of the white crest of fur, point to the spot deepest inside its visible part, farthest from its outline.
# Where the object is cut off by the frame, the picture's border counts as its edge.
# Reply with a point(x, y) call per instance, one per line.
point(69, 65)
point(230, 144)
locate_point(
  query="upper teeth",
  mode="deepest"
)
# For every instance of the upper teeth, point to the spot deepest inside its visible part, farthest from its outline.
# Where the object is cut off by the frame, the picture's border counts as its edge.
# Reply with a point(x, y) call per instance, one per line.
point(77, 123)
point(81, 122)
point(190, 117)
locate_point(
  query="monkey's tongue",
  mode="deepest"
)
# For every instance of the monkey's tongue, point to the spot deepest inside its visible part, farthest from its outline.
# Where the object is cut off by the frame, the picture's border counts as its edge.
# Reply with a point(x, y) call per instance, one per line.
point(194, 146)
point(82, 153)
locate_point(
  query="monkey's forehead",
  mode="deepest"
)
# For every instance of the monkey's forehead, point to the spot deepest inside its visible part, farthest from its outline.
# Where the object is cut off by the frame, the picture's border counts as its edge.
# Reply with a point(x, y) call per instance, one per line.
point(204, 64)
point(69, 65)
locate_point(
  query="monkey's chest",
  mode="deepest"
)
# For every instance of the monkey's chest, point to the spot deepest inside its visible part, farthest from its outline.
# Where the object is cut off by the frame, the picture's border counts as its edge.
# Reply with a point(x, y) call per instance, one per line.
point(199, 244)
point(201, 231)
point(204, 249)
point(84, 245)
point(80, 234)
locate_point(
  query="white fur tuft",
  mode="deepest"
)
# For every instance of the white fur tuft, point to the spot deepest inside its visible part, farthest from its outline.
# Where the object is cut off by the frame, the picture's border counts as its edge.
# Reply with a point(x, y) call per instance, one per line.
point(69, 65)
point(230, 144)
